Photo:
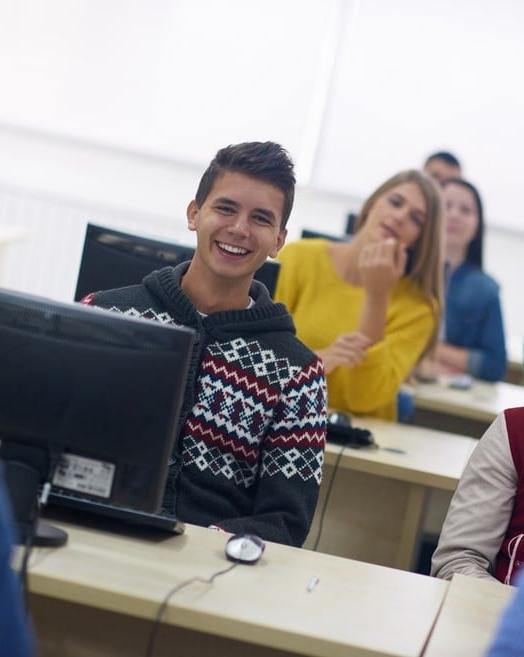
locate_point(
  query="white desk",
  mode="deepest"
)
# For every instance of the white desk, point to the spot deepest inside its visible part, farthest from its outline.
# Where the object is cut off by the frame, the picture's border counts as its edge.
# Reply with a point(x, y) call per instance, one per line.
point(468, 618)
point(464, 411)
point(378, 498)
point(98, 594)
point(8, 235)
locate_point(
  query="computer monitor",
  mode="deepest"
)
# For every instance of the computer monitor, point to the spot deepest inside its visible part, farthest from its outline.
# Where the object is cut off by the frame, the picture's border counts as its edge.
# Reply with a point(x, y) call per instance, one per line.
point(307, 234)
point(351, 223)
point(89, 400)
point(112, 259)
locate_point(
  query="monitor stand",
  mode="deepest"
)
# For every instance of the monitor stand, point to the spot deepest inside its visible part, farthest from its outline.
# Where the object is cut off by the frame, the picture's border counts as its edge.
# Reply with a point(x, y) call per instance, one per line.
point(23, 481)
point(47, 535)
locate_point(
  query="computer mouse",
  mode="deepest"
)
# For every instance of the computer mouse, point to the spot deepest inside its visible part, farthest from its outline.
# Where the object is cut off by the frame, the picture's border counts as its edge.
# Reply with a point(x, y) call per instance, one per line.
point(339, 419)
point(245, 548)
point(341, 431)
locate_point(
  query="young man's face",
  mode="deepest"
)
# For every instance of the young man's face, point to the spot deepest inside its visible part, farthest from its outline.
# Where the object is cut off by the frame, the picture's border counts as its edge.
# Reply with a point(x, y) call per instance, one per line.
point(238, 226)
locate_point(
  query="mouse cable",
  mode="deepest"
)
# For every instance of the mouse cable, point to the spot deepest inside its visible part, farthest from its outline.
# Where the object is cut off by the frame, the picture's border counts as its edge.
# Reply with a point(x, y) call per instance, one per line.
point(326, 499)
point(28, 546)
point(170, 594)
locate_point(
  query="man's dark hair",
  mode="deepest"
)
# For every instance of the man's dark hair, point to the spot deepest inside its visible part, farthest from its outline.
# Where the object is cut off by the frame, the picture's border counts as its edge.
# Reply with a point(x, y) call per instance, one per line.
point(475, 247)
point(446, 157)
point(265, 160)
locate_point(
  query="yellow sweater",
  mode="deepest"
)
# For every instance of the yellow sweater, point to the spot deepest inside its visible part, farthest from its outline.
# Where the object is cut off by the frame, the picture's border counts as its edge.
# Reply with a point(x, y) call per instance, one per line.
point(323, 306)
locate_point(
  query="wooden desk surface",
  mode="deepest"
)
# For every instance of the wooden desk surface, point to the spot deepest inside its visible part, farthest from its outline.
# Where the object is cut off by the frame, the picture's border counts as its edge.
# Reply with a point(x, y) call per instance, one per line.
point(432, 458)
point(483, 401)
point(371, 609)
point(515, 371)
point(515, 347)
point(468, 618)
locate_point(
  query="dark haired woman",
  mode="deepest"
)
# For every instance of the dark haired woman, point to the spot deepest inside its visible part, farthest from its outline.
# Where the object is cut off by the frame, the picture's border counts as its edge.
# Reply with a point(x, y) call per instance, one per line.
point(473, 332)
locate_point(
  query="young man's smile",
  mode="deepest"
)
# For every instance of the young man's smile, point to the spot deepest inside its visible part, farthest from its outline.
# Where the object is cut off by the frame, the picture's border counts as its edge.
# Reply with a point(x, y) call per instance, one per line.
point(231, 249)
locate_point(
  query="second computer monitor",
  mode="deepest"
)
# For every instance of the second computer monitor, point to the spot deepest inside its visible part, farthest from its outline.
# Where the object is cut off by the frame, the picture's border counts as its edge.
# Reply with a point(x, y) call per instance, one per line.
point(113, 259)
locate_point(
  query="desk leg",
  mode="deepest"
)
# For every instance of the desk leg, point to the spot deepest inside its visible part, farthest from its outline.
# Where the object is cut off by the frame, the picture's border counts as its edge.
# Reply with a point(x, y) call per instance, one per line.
point(408, 544)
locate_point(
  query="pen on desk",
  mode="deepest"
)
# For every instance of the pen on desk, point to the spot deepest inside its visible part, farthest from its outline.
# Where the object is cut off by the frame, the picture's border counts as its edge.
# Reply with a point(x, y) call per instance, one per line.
point(312, 584)
point(394, 450)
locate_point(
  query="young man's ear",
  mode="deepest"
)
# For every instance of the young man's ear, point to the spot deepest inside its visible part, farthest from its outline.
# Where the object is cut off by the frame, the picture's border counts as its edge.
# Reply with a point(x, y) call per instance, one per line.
point(192, 215)
point(281, 239)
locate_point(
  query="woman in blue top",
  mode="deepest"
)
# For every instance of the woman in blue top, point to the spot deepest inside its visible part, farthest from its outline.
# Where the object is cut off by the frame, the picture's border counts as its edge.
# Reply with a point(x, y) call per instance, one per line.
point(473, 332)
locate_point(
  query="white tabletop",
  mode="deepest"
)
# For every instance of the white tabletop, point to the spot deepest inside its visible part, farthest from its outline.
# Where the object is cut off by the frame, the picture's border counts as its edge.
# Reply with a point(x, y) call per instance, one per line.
point(356, 608)
point(515, 347)
point(468, 618)
point(483, 401)
point(408, 453)
point(10, 233)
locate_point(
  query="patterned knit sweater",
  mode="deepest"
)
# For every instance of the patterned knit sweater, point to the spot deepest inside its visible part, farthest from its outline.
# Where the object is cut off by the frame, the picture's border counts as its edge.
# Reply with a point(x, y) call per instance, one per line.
point(251, 438)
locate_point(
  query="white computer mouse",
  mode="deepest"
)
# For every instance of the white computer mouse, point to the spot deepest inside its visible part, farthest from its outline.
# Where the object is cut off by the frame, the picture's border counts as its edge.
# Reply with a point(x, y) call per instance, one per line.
point(245, 548)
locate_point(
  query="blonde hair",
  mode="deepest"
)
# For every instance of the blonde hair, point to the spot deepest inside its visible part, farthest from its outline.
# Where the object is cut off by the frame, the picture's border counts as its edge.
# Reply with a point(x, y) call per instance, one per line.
point(426, 254)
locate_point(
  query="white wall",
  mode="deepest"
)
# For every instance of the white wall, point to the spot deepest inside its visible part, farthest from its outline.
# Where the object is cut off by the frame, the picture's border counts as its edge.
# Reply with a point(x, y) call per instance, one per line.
point(355, 89)
point(110, 109)
point(53, 187)
point(415, 76)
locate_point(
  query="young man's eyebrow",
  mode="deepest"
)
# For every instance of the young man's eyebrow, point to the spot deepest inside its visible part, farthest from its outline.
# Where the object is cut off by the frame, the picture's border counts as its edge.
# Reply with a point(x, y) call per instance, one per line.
point(225, 200)
point(229, 201)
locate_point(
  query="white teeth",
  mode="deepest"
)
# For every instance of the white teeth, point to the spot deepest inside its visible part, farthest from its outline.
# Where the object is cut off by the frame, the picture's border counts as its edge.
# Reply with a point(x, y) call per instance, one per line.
point(237, 250)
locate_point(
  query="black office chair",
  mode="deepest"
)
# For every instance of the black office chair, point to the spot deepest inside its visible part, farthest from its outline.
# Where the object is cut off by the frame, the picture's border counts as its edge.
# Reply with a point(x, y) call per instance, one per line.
point(112, 259)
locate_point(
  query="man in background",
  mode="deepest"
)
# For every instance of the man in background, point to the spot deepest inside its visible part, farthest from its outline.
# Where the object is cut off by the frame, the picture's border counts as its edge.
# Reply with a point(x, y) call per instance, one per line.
point(443, 166)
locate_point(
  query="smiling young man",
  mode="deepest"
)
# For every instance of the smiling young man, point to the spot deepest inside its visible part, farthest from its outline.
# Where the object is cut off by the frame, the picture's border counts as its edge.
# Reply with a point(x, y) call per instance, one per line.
point(252, 432)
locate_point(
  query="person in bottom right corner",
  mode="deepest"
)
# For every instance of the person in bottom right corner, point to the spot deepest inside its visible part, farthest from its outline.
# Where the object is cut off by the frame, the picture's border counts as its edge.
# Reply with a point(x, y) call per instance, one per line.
point(483, 533)
point(509, 637)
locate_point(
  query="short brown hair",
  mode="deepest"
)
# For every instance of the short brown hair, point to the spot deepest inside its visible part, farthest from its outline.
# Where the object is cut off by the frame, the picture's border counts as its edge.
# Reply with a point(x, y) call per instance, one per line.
point(267, 161)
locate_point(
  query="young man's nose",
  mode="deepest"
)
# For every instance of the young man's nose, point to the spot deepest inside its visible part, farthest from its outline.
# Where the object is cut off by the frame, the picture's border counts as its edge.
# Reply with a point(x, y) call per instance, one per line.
point(240, 225)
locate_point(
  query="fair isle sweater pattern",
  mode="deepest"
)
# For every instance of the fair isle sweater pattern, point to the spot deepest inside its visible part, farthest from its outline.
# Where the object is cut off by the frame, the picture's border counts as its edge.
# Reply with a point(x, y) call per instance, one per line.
point(252, 435)
point(240, 386)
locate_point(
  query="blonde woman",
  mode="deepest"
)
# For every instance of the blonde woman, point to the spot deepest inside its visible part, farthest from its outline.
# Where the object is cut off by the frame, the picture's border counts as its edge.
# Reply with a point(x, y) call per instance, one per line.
point(370, 307)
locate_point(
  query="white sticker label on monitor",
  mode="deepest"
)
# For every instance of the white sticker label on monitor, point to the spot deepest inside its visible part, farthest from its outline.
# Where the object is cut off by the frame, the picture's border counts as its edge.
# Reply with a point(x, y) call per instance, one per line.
point(84, 475)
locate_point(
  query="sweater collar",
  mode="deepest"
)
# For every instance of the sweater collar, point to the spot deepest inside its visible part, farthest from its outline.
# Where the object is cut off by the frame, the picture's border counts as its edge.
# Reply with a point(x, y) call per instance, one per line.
point(264, 315)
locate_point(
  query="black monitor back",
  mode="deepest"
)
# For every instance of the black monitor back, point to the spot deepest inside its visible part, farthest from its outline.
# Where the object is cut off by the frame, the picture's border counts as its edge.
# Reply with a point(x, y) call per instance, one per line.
point(102, 389)
point(307, 234)
point(351, 223)
point(113, 259)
